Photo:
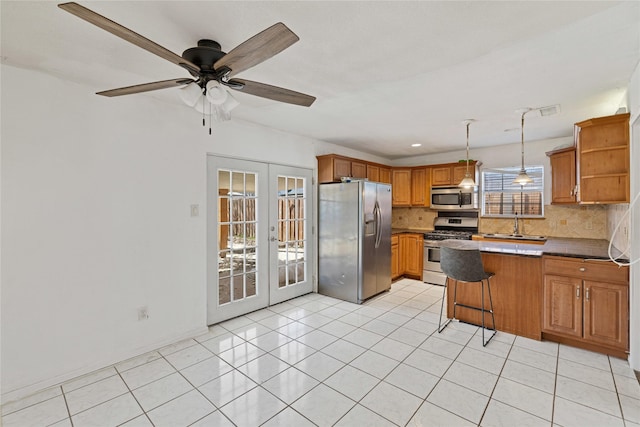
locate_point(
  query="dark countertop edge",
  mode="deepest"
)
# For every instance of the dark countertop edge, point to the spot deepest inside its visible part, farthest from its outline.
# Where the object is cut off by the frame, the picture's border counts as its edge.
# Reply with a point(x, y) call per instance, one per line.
point(595, 249)
point(410, 230)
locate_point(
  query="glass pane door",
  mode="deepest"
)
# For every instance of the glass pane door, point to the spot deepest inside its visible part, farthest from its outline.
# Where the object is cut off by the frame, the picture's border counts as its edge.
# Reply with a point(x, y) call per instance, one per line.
point(290, 232)
point(237, 209)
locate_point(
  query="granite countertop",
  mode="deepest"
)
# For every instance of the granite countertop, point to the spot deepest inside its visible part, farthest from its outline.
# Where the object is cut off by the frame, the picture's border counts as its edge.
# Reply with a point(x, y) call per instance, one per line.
point(410, 230)
point(568, 247)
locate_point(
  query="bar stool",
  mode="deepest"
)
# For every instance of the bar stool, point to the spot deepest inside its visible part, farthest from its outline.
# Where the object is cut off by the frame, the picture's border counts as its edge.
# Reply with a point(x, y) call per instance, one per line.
point(465, 265)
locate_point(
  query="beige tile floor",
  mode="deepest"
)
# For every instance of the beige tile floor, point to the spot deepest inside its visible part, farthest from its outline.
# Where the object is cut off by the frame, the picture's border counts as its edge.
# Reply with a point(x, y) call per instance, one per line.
point(319, 361)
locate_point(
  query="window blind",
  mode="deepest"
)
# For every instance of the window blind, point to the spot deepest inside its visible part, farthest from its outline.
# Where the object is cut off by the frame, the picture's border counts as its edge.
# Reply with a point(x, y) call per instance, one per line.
point(502, 198)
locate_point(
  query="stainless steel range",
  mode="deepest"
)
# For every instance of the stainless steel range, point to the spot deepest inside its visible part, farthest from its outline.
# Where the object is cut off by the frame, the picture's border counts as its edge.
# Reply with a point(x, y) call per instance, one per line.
point(448, 225)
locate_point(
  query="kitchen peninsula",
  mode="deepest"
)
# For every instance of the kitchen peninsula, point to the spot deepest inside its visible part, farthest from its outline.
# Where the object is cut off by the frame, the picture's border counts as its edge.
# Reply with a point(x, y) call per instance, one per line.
point(566, 290)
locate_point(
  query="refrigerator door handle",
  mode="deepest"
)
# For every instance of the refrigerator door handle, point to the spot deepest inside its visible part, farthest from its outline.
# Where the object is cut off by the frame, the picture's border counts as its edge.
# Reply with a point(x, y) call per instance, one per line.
point(378, 219)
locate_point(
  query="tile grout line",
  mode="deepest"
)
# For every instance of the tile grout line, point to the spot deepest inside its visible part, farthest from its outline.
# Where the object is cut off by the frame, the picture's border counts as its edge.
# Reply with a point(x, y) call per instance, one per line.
point(65, 404)
point(497, 380)
point(615, 386)
point(134, 397)
point(192, 385)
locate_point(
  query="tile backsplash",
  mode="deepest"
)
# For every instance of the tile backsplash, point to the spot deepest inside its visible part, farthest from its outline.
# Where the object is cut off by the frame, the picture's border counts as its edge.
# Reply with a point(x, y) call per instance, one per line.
point(559, 221)
point(615, 214)
point(589, 221)
point(415, 218)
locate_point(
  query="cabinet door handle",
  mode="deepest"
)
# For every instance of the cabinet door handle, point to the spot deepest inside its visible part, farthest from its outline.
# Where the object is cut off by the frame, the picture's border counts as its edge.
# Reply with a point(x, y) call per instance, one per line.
point(582, 269)
point(586, 294)
point(577, 291)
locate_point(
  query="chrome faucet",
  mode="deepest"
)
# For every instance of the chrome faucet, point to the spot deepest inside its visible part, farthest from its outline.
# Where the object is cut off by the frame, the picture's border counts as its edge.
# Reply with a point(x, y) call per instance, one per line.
point(515, 225)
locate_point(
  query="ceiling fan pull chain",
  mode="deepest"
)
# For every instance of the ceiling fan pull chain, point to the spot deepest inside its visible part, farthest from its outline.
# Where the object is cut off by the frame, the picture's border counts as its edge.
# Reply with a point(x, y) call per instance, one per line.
point(203, 100)
point(210, 108)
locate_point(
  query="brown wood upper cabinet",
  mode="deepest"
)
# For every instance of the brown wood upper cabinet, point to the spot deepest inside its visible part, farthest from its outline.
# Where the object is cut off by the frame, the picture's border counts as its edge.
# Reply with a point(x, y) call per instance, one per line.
point(586, 303)
point(411, 186)
point(332, 167)
point(441, 175)
point(420, 187)
point(450, 174)
point(596, 170)
point(603, 159)
point(377, 173)
point(401, 186)
point(563, 176)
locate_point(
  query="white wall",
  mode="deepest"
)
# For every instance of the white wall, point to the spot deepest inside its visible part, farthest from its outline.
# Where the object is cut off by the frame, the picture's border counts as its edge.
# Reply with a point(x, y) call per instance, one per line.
point(96, 196)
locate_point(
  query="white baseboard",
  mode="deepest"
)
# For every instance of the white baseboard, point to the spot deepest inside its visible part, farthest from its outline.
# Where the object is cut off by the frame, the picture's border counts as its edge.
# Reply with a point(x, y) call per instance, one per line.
point(56, 381)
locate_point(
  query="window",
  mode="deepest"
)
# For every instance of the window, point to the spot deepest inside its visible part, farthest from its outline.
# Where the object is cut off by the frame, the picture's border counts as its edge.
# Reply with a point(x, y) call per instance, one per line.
point(502, 198)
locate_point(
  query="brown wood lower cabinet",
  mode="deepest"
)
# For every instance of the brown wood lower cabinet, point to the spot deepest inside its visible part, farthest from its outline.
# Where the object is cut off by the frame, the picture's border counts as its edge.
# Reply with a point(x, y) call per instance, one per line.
point(586, 304)
point(406, 255)
point(395, 256)
point(413, 248)
point(516, 291)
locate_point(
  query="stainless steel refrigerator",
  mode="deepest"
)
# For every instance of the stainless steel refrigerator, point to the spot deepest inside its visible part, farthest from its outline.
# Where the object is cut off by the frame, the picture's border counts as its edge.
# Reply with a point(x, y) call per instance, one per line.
point(354, 240)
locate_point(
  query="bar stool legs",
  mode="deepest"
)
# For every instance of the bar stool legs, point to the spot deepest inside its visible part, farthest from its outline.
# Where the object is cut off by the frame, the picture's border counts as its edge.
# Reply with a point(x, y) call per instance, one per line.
point(481, 308)
point(444, 296)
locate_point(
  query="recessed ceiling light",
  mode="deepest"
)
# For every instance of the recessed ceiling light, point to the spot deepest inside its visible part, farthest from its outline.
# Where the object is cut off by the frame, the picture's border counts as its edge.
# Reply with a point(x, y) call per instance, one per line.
point(416, 145)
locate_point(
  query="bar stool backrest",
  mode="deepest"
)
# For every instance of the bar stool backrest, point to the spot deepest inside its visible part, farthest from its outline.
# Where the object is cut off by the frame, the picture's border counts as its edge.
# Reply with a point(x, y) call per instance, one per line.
point(462, 264)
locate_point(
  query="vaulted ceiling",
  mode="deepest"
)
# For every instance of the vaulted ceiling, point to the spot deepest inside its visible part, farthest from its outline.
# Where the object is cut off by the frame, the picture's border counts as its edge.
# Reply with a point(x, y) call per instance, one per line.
point(385, 74)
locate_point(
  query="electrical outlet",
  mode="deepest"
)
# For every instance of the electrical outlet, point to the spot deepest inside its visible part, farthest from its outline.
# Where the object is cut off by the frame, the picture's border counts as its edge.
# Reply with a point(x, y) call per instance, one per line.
point(588, 225)
point(143, 313)
point(195, 210)
point(563, 222)
point(625, 232)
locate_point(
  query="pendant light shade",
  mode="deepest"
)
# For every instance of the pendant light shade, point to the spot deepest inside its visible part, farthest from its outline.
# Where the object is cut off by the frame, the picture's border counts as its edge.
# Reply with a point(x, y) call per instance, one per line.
point(467, 181)
point(523, 178)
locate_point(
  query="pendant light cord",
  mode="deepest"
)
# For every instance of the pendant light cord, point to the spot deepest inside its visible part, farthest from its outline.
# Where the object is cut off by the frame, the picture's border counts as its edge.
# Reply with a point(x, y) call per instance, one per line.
point(522, 137)
point(467, 174)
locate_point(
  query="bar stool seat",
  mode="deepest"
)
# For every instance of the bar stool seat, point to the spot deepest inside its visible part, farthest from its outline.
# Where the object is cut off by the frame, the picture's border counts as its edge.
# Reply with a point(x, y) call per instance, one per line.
point(465, 265)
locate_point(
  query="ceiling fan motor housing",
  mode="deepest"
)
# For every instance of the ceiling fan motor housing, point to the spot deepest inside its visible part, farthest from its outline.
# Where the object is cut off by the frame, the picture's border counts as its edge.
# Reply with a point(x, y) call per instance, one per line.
point(205, 54)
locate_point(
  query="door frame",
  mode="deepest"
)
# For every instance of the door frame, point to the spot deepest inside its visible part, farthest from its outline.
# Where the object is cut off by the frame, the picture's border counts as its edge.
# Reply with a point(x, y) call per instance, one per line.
point(211, 231)
point(277, 294)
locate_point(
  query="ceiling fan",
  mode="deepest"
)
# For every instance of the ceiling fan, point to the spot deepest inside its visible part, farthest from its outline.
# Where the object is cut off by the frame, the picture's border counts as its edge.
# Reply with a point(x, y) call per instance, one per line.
point(209, 66)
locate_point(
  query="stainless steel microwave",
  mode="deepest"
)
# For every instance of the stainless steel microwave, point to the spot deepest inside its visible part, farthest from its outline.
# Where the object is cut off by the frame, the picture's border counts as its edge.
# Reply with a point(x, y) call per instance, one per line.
point(454, 198)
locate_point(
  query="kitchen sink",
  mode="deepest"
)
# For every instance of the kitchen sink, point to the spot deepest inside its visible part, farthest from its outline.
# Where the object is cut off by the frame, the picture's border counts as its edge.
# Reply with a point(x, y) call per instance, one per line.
point(515, 237)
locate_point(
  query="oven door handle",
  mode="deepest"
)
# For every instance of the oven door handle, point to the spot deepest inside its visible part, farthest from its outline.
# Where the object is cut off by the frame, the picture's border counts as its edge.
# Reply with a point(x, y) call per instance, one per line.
point(460, 198)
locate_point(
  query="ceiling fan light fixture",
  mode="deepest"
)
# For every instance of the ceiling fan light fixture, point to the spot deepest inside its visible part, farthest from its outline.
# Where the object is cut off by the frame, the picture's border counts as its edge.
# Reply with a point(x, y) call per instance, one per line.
point(230, 103)
point(190, 94)
point(216, 94)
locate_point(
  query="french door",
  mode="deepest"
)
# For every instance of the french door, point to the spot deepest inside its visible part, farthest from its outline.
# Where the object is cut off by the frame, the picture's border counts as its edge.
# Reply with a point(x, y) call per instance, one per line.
point(259, 247)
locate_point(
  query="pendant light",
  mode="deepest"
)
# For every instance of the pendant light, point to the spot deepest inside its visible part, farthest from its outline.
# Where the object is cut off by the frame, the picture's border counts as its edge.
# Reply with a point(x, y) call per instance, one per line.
point(467, 181)
point(523, 178)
